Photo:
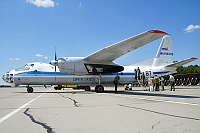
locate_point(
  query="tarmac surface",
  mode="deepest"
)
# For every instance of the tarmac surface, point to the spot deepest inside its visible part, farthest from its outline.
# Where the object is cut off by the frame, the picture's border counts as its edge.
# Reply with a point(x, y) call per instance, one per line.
point(75, 111)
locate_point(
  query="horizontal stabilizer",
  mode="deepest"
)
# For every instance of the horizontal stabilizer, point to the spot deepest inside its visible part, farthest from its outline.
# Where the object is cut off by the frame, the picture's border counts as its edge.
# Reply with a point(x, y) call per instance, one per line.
point(181, 63)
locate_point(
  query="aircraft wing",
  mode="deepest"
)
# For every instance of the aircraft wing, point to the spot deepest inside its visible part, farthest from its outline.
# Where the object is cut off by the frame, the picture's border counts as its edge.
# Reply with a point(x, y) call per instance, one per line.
point(181, 63)
point(116, 50)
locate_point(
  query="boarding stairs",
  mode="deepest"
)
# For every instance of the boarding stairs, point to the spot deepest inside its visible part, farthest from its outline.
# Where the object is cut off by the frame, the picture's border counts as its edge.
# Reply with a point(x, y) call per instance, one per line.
point(144, 87)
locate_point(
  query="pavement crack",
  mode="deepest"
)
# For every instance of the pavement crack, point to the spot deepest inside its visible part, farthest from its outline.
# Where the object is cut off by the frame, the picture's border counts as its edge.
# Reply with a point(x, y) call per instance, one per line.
point(161, 113)
point(44, 125)
point(75, 102)
point(155, 125)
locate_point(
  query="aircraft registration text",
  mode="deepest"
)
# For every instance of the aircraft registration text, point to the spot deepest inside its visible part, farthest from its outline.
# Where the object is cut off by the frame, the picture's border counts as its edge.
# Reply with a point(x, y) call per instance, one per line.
point(83, 79)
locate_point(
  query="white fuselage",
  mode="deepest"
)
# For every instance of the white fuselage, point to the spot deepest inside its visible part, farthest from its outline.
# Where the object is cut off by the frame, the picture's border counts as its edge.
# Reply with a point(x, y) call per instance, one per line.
point(44, 74)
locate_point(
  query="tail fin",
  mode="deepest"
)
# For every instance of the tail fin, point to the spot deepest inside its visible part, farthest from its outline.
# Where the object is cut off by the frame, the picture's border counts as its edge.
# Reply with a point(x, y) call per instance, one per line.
point(164, 54)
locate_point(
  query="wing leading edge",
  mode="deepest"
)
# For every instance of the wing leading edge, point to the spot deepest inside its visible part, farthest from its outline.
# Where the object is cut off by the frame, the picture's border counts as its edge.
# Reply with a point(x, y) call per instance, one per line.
point(116, 50)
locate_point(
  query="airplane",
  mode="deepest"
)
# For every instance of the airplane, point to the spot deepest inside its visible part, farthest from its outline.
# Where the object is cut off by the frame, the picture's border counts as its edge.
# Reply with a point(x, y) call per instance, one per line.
point(98, 68)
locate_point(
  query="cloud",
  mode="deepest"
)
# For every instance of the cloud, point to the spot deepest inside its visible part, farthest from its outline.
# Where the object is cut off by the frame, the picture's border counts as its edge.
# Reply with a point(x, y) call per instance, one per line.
point(42, 3)
point(46, 57)
point(191, 28)
point(39, 55)
point(14, 59)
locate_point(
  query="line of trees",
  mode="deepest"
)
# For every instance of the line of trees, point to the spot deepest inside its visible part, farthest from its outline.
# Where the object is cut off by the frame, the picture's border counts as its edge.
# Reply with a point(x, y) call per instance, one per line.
point(189, 69)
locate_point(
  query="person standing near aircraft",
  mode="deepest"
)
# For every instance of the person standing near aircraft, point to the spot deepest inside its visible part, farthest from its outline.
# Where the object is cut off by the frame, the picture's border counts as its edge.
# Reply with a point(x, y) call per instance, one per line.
point(171, 79)
point(150, 83)
point(116, 81)
point(143, 79)
point(135, 74)
point(156, 82)
point(138, 73)
point(162, 83)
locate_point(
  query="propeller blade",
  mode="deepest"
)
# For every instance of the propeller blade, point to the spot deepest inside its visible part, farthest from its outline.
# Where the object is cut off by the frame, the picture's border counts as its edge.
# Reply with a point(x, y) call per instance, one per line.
point(55, 57)
point(55, 73)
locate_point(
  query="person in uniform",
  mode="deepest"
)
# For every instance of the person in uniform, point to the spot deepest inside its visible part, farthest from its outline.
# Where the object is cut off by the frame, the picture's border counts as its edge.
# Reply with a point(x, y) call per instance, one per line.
point(143, 79)
point(138, 73)
point(135, 74)
point(116, 81)
point(171, 80)
point(156, 82)
point(162, 83)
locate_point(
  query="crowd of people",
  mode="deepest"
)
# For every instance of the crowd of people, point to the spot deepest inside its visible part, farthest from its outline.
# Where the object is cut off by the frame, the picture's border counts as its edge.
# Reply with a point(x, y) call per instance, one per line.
point(153, 82)
point(156, 83)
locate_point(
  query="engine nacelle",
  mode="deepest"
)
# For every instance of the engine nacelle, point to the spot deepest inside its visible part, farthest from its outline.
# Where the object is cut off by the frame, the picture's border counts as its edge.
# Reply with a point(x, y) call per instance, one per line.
point(76, 65)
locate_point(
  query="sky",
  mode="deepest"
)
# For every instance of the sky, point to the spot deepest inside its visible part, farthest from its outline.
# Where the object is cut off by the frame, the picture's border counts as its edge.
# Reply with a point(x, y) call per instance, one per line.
point(31, 30)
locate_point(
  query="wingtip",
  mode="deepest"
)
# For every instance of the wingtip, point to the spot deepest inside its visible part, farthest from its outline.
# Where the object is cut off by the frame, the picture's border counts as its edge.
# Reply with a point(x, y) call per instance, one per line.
point(158, 31)
point(194, 58)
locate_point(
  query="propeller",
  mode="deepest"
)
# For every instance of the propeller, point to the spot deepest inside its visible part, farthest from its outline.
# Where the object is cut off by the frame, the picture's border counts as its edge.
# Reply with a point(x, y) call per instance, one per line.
point(56, 62)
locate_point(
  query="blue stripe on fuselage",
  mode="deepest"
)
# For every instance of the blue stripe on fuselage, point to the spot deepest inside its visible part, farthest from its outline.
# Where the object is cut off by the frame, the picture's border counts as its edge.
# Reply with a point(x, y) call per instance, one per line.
point(42, 73)
point(164, 72)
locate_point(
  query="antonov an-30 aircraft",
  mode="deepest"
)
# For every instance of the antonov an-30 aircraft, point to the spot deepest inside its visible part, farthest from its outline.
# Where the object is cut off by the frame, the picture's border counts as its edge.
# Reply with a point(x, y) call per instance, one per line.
point(99, 69)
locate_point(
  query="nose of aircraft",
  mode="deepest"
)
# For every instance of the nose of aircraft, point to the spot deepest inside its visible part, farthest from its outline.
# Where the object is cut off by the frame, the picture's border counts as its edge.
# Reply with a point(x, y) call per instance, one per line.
point(4, 78)
point(8, 77)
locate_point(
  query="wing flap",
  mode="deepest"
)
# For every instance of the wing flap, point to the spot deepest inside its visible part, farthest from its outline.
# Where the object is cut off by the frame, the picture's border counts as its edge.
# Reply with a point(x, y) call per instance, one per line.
point(116, 50)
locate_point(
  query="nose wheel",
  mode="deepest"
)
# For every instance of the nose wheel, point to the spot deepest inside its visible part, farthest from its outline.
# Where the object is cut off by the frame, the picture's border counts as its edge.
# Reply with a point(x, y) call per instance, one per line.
point(29, 89)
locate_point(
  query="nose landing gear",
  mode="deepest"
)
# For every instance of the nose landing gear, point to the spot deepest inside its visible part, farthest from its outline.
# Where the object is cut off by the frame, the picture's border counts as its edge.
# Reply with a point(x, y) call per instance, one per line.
point(29, 89)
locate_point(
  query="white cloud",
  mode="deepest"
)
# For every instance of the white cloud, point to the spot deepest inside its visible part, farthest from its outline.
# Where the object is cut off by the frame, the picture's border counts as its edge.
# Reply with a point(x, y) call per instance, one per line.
point(42, 3)
point(45, 57)
point(191, 28)
point(14, 59)
point(39, 55)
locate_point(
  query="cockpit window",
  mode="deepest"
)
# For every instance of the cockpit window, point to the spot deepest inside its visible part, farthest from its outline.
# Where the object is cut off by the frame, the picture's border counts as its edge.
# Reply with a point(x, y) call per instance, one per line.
point(31, 65)
point(26, 67)
point(23, 68)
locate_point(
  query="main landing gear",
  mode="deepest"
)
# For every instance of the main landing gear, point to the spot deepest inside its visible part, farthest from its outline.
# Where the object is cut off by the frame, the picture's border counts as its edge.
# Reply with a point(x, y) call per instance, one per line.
point(59, 87)
point(99, 88)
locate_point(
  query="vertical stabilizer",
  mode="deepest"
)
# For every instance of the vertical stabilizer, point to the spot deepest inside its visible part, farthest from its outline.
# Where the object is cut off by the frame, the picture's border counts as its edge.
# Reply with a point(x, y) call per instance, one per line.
point(164, 54)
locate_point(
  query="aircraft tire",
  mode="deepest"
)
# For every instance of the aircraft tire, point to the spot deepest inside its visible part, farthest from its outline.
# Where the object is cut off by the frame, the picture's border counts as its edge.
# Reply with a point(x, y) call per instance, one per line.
point(30, 89)
point(99, 89)
point(87, 88)
point(60, 87)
